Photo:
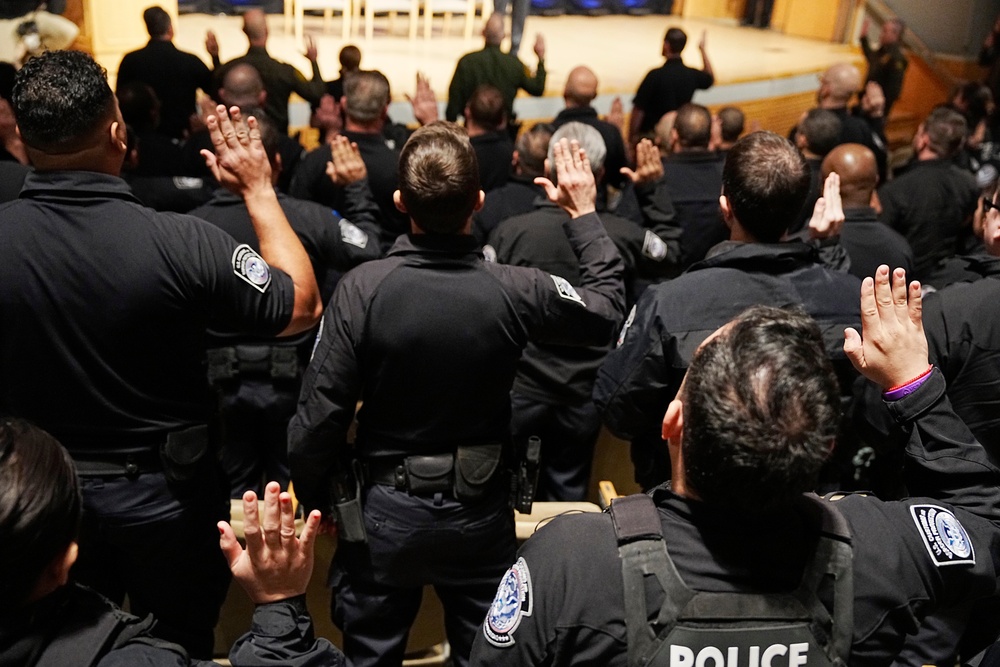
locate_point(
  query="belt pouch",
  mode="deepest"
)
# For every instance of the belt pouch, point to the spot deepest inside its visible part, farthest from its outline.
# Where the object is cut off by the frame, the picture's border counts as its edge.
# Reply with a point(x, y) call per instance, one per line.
point(475, 467)
point(185, 454)
point(429, 474)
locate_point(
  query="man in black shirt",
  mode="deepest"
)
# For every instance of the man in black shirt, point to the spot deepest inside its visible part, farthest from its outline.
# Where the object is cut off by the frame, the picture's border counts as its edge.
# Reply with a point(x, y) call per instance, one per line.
point(486, 122)
point(887, 64)
point(429, 338)
point(175, 76)
point(105, 305)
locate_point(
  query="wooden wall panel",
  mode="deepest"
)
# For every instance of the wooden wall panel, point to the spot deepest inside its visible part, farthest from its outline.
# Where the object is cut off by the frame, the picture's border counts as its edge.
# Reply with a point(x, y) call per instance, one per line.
point(713, 9)
point(115, 28)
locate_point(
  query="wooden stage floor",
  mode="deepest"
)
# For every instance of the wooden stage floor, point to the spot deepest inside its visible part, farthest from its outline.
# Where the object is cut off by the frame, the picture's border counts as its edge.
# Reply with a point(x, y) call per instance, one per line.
point(750, 64)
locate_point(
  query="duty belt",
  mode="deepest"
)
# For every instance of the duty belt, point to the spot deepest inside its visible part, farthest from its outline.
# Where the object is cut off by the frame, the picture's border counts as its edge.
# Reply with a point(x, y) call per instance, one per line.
point(277, 362)
point(131, 464)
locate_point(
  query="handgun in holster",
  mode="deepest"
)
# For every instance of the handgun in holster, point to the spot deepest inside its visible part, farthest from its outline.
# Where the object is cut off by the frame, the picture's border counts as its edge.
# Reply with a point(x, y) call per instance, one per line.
point(527, 475)
point(347, 503)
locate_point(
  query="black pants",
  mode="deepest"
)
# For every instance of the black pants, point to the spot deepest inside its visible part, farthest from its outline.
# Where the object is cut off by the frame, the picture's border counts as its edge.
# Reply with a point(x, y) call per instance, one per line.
point(461, 549)
point(569, 433)
point(158, 544)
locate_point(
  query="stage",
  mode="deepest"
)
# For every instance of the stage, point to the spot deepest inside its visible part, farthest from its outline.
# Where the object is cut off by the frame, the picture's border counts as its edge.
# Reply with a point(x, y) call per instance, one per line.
point(771, 75)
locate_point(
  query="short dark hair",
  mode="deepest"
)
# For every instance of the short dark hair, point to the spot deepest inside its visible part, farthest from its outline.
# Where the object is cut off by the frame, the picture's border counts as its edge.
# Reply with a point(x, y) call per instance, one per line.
point(439, 178)
point(732, 121)
point(533, 147)
point(60, 99)
point(676, 39)
point(766, 182)
point(350, 58)
point(157, 21)
point(487, 106)
point(367, 93)
point(946, 130)
point(694, 126)
point(40, 506)
point(761, 410)
point(270, 136)
point(821, 129)
point(139, 105)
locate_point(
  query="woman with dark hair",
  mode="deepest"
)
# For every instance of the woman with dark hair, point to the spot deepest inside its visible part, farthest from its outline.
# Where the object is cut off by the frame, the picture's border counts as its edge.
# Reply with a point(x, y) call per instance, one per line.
point(46, 620)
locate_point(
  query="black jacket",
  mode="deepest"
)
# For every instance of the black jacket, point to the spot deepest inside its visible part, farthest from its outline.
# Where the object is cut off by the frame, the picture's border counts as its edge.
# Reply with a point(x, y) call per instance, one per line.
point(870, 243)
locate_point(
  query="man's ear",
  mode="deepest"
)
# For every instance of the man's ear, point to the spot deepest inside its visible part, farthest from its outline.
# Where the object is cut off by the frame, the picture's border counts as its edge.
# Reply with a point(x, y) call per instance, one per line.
point(397, 199)
point(479, 202)
point(727, 211)
point(118, 136)
point(674, 138)
point(673, 420)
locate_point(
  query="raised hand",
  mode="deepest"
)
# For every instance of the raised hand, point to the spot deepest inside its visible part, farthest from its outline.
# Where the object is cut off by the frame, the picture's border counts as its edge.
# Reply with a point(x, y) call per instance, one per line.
point(346, 166)
point(648, 165)
point(239, 162)
point(577, 189)
point(828, 213)
point(424, 102)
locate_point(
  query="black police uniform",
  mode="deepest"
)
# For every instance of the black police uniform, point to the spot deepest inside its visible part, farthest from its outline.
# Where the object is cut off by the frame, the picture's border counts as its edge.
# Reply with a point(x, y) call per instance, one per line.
point(870, 243)
point(886, 67)
point(551, 394)
point(641, 376)
point(668, 88)
point(77, 626)
point(494, 152)
point(562, 603)
point(519, 195)
point(694, 181)
point(615, 158)
point(257, 381)
point(429, 339)
point(104, 305)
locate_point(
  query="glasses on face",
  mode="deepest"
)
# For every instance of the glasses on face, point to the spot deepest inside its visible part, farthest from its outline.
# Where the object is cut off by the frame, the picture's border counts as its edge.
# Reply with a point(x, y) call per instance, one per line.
point(989, 205)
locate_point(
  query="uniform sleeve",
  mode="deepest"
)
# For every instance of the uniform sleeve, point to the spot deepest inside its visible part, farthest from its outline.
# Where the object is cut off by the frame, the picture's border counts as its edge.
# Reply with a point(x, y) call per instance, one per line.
point(331, 386)
point(644, 93)
point(281, 634)
point(866, 49)
point(534, 85)
point(641, 376)
point(557, 312)
point(312, 90)
point(239, 291)
point(704, 80)
point(458, 92)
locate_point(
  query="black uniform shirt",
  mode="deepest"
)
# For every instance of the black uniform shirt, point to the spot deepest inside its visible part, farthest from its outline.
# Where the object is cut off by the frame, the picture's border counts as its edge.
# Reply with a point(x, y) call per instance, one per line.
point(104, 306)
point(519, 195)
point(694, 181)
point(910, 557)
point(615, 158)
point(668, 88)
point(870, 243)
point(429, 339)
point(494, 152)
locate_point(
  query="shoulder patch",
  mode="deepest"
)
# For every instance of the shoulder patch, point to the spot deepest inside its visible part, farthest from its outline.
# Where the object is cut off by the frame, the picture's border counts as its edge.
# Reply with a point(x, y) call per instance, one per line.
point(251, 267)
point(566, 290)
point(188, 183)
point(512, 602)
point(352, 234)
point(654, 247)
point(943, 535)
point(489, 254)
point(628, 323)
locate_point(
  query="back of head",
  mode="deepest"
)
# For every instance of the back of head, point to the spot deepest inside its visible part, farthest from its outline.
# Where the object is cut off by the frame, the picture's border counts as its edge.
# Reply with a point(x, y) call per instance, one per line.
point(662, 133)
point(590, 141)
point(581, 86)
point(676, 39)
point(493, 31)
point(946, 130)
point(487, 108)
point(270, 136)
point(367, 94)
point(766, 182)
point(733, 122)
point(39, 507)
point(61, 100)
point(821, 129)
point(255, 25)
point(139, 105)
point(533, 148)
point(761, 411)
point(242, 86)
point(350, 58)
point(439, 178)
point(157, 21)
point(841, 82)
point(694, 126)
point(858, 171)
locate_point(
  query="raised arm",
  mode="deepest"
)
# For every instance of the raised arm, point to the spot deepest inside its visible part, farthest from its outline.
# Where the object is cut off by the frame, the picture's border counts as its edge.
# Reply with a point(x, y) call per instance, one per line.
point(240, 164)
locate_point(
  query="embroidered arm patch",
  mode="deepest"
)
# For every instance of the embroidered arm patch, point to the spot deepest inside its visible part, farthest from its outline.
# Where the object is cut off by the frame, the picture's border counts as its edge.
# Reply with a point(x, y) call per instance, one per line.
point(625, 328)
point(654, 247)
point(352, 234)
point(512, 602)
point(566, 290)
point(943, 535)
point(251, 267)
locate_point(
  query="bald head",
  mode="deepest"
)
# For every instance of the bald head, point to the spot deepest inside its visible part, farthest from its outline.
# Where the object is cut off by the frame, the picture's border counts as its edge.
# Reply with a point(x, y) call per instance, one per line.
point(581, 87)
point(255, 26)
point(837, 85)
point(858, 171)
point(493, 31)
point(242, 86)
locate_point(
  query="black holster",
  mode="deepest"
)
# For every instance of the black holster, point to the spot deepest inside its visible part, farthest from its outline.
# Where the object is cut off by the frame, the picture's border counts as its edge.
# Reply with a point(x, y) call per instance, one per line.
point(526, 483)
point(347, 504)
point(186, 454)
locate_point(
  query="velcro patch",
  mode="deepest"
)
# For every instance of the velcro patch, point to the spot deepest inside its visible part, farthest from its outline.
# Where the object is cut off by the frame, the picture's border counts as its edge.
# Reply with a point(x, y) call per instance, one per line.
point(943, 535)
point(251, 267)
point(512, 602)
point(566, 290)
point(352, 234)
point(654, 247)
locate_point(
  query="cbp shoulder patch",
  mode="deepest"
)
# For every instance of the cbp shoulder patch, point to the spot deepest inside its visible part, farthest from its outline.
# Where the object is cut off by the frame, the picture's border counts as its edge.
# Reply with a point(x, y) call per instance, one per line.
point(654, 247)
point(251, 267)
point(188, 183)
point(566, 290)
point(625, 328)
point(352, 234)
point(513, 601)
point(943, 535)
point(489, 254)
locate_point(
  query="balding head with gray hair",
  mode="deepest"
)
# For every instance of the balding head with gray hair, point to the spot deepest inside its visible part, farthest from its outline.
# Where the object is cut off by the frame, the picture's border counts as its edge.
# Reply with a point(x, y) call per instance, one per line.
point(590, 141)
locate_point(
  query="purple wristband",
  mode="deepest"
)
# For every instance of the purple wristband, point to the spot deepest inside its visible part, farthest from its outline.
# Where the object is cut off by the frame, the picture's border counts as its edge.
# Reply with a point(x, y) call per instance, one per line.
point(907, 389)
